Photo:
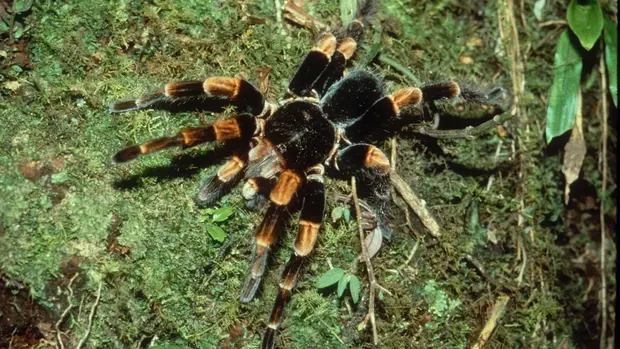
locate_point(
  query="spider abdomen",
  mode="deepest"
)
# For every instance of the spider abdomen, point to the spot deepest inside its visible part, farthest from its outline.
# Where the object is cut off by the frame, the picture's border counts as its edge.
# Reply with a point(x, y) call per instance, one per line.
point(301, 134)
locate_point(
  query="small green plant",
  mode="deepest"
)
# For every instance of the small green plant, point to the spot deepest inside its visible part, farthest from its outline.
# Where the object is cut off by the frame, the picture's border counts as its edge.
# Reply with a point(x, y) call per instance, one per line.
point(588, 25)
point(439, 304)
point(343, 278)
point(341, 212)
point(13, 55)
point(213, 216)
point(587, 22)
point(8, 20)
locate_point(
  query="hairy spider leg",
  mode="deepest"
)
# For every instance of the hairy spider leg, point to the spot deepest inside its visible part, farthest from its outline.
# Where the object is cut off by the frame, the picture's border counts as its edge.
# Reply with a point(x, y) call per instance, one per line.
point(335, 69)
point(242, 126)
point(311, 218)
point(366, 11)
point(349, 39)
point(219, 184)
point(312, 66)
point(265, 238)
point(376, 121)
point(345, 50)
point(267, 234)
point(264, 165)
point(368, 164)
point(371, 169)
point(453, 89)
point(212, 94)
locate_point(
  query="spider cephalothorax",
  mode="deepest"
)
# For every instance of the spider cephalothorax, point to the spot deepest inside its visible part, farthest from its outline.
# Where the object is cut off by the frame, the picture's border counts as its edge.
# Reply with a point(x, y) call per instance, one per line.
point(284, 150)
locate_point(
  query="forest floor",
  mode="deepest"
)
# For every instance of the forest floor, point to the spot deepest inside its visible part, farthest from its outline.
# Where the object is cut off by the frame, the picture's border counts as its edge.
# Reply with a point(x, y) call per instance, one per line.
point(119, 256)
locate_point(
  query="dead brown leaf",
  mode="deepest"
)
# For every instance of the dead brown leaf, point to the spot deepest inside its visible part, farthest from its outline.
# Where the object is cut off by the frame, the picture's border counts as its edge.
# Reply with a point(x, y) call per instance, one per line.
point(574, 152)
point(373, 242)
point(32, 170)
point(263, 78)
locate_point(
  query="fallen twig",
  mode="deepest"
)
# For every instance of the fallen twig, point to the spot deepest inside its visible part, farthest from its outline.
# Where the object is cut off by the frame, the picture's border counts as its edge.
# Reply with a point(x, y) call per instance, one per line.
point(393, 154)
point(467, 133)
point(90, 316)
point(65, 312)
point(603, 155)
point(418, 206)
point(521, 252)
point(12, 337)
point(476, 263)
point(371, 275)
point(498, 311)
point(559, 22)
point(300, 16)
point(413, 251)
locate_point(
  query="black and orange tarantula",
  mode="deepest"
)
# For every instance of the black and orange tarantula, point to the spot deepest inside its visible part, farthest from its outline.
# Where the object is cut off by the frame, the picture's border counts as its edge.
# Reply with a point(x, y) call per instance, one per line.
point(325, 126)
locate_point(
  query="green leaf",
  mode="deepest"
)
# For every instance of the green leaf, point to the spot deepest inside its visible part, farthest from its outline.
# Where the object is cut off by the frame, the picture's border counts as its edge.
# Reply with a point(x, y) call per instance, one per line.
point(61, 177)
point(217, 233)
point(3, 27)
point(585, 19)
point(222, 214)
point(342, 284)
point(331, 277)
point(18, 30)
point(539, 5)
point(563, 95)
point(21, 5)
point(354, 286)
point(347, 213)
point(336, 213)
point(611, 57)
point(347, 11)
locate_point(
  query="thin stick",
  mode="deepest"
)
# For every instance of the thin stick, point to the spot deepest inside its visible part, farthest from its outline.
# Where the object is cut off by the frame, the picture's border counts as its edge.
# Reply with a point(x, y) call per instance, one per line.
point(90, 316)
point(603, 155)
point(12, 337)
point(371, 274)
point(478, 265)
point(413, 251)
point(554, 22)
point(65, 312)
point(498, 312)
point(522, 271)
point(418, 206)
point(467, 133)
point(510, 35)
point(393, 154)
point(369, 269)
point(300, 16)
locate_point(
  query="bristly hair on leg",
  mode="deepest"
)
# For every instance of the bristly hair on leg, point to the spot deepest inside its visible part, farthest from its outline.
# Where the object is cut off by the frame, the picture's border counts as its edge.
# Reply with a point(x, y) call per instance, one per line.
point(367, 11)
point(477, 94)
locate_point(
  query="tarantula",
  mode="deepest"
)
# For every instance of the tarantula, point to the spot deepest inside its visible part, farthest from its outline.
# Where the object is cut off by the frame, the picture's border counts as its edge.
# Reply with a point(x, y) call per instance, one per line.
point(325, 126)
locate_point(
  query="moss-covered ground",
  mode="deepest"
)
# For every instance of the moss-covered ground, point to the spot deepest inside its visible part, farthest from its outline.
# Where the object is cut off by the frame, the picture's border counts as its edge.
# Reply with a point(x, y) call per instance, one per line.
point(65, 209)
